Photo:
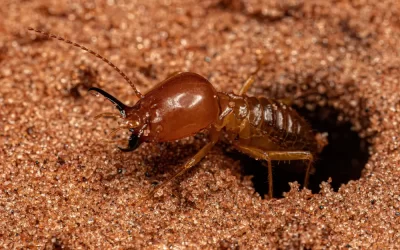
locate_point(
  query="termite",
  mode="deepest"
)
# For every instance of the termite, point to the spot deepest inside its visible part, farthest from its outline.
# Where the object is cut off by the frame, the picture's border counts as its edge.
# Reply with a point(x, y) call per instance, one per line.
point(186, 103)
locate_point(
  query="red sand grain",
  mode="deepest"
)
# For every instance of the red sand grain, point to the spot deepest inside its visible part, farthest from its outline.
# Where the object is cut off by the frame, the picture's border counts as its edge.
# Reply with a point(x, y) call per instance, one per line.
point(60, 187)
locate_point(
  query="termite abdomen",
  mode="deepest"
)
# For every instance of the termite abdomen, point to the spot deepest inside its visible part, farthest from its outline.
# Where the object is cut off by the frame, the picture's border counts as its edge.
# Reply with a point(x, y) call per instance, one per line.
point(289, 129)
point(267, 123)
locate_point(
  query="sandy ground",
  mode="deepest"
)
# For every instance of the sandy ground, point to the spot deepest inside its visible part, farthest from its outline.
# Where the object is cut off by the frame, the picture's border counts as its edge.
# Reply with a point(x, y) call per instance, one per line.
point(61, 187)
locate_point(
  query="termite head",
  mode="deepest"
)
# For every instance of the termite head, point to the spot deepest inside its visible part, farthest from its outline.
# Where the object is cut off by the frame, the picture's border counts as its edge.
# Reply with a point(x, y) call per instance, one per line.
point(180, 106)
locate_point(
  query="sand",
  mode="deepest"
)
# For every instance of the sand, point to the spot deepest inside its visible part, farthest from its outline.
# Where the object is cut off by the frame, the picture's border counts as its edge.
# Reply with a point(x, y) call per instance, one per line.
point(61, 187)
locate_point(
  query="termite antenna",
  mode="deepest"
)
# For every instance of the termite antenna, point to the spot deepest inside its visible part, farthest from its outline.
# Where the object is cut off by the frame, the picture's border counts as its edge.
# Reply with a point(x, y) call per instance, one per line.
point(138, 94)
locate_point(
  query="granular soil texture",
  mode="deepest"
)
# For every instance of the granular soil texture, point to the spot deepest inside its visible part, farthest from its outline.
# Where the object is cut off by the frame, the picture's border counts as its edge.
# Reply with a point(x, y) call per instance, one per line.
point(62, 187)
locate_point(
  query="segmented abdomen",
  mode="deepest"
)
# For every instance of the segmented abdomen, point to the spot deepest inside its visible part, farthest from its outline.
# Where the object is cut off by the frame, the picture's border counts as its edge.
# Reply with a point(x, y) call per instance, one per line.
point(280, 122)
point(267, 120)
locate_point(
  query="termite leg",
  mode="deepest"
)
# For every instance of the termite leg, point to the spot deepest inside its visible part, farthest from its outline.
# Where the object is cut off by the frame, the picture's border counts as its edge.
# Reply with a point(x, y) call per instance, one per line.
point(294, 155)
point(259, 154)
point(252, 78)
point(214, 137)
point(278, 156)
point(247, 84)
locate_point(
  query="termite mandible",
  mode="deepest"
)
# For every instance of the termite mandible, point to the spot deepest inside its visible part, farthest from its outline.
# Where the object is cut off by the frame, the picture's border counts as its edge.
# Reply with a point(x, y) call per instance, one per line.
point(186, 103)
